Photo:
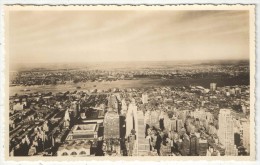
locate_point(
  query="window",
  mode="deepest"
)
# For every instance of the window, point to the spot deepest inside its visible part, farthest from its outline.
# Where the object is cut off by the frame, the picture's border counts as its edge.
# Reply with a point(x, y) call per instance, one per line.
point(82, 153)
point(64, 154)
point(73, 153)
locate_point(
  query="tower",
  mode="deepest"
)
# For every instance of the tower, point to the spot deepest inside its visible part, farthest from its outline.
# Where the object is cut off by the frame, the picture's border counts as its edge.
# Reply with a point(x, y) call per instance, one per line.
point(111, 125)
point(124, 107)
point(131, 118)
point(144, 98)
point(143, 146)
point(111, 120)
point(246, 135)
point(66, 119)
point(226, 132)
point(213, 86)
point(112, 103)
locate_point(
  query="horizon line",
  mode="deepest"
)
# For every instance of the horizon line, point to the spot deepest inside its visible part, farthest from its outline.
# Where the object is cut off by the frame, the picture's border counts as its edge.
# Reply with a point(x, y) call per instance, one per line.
point(187, 60)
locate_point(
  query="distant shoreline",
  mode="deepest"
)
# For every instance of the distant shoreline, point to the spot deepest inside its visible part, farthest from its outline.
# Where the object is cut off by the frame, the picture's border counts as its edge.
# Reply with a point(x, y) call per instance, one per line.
point(126, 84)
point(111, 64)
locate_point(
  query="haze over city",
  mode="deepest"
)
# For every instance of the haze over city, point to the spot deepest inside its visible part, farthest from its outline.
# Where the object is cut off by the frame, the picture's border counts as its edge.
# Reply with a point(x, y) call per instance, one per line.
point(83, 36)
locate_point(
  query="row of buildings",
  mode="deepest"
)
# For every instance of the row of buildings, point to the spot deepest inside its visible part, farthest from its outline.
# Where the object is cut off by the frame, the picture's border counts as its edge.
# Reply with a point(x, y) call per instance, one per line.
point(158, 121)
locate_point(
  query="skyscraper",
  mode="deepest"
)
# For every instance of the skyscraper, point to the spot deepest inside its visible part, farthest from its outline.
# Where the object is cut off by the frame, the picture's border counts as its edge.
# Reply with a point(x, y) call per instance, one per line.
point(246, 135)
point(155, 118)
point(147, 117)
point(144, 98)
point(142, 143)
point(202, 147)
point(112, 103)
point(111, 119)
point(185, 145)
point(173, 124)
point(226, 132)
point(124, 107)
point(131, 118)
point(193, 145)
point(66, 119)
point(213, 87)
point(166, 121)
point(111, 125)
point(179, 125)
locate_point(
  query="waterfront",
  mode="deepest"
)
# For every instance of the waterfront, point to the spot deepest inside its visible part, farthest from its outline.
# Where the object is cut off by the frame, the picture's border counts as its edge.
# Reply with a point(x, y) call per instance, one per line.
point(123, 84)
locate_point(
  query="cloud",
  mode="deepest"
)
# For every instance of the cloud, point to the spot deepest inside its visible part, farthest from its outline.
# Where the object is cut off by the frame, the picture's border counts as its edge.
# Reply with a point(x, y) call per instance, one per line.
point(78, 36)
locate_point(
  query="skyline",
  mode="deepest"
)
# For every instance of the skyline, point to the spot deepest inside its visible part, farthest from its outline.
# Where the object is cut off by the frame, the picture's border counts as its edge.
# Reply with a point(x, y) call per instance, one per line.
point(89, 36)
point(121, 64)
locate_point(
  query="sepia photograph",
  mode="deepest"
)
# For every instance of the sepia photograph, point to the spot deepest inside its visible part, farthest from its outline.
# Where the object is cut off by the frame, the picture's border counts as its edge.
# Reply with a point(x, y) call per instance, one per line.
point(130, 82)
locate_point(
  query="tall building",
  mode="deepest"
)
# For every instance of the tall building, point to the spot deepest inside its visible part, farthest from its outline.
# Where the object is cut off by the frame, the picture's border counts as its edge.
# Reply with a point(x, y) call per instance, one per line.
point(179, 125)
point(66, 119)
point(142, 143)
point(213, 86)
point(166, 121)
point(112, 103)
point(124, 107)
point(131, 144)
point(246, 135)
point(111, 125)
point(155, 119)
point(202, 147)
point(173, 125)
point(193, 145)
point(131, 118)
point(226, 132)
point(111, 119)
point(144, 98)
point(185, 145)
point(147, 117)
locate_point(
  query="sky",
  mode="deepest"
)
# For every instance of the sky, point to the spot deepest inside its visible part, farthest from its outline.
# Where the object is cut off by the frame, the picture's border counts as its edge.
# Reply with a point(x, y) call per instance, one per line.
point(89, 36)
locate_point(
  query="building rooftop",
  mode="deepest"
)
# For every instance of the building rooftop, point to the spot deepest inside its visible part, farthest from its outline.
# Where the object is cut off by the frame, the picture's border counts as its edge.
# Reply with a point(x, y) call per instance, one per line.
point(75, 144)
point(84, 127)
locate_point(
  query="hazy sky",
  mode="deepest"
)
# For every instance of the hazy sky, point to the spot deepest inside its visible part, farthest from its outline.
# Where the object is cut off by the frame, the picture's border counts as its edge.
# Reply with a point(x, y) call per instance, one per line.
point(82, 36)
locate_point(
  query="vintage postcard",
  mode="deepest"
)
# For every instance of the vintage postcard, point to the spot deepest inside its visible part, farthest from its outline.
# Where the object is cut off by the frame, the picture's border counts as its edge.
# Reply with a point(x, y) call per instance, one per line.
point(129, 82)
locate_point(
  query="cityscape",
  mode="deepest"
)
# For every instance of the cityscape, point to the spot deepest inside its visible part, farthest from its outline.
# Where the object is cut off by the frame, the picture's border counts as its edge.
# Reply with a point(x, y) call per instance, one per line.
point(129, 83)
point(53, 112)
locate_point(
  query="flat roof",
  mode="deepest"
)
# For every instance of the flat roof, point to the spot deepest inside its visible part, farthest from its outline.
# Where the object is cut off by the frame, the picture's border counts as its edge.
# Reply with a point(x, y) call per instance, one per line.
point(84, 127)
